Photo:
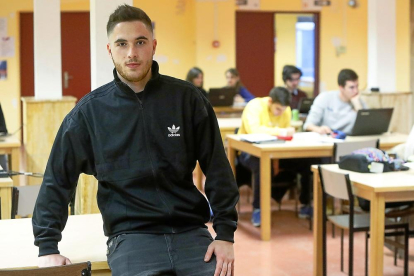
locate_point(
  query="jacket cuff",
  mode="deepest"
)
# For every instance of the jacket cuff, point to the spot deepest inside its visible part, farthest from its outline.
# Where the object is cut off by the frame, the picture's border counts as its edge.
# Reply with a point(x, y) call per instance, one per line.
point(48, 247)
point(225, 233)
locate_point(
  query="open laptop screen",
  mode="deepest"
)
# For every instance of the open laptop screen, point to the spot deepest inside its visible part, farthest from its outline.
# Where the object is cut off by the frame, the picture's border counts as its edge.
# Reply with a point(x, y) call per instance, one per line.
point(372, 121)
point(3, 128)
point(222, 96)
point(305, 105)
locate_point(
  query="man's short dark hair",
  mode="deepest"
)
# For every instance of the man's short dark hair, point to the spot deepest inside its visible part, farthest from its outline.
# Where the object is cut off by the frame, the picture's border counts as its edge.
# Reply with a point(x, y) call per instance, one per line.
point(346, 75)
point(126, 13)
point(280, 95)
point(288, 71)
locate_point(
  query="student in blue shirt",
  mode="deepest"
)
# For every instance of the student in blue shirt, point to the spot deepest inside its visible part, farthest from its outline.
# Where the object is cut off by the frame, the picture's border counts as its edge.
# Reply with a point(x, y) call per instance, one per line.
point(233, 80)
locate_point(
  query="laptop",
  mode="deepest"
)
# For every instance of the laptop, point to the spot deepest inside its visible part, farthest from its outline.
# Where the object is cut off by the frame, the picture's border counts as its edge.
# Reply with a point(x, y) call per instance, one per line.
point(304, 105)
point(222, 96)
point(372, 121)
point(3, 128)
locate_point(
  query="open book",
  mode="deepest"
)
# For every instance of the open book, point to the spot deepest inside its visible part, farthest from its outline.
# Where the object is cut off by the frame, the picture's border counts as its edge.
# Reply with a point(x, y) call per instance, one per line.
point(259, 138)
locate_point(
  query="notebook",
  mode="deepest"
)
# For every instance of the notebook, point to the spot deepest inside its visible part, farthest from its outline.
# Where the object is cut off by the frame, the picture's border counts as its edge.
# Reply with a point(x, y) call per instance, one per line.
point(372, 121)
point(222, 96)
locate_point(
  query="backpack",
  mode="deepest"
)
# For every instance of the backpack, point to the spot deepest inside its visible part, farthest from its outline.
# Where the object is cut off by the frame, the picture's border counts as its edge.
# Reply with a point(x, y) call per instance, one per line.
point(367, 160)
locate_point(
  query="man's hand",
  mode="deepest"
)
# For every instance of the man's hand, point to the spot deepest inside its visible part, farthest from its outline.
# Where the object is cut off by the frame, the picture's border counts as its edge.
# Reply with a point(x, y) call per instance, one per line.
point(290, 131)
point(53, 260)
point(224, 255)
point(356, 102)
point(323, 130)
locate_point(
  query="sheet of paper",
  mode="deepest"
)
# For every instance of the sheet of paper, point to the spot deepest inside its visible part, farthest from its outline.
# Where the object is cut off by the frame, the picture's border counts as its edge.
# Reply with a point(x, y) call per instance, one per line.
point(7, 46)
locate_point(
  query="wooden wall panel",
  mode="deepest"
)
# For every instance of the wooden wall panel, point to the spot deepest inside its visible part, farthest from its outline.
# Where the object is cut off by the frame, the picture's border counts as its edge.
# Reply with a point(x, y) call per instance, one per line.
point(41, 122)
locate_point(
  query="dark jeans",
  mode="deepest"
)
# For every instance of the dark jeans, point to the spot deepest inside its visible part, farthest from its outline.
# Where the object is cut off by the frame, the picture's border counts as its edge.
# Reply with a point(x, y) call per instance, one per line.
point(301, 166)
point(179, 254)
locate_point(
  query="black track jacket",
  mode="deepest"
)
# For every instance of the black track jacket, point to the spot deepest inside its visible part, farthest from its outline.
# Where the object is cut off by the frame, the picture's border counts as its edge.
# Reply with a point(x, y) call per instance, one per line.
point(143, 152)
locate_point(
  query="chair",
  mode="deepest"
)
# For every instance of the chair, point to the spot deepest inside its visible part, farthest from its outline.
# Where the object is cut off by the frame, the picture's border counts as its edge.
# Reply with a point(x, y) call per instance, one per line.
point(345, 148)
point(81, 269)
point(23, 200)
point(339, 186)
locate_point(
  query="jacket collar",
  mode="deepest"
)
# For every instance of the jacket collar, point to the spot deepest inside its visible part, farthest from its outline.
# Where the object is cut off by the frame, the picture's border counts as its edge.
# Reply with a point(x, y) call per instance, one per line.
point(125, 88)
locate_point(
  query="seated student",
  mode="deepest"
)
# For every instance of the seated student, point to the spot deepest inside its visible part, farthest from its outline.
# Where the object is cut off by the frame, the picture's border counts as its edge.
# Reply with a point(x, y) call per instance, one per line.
point(336, 110)
point(196, 77)
point(271, 115)
point(233, 80)
point(291, 77)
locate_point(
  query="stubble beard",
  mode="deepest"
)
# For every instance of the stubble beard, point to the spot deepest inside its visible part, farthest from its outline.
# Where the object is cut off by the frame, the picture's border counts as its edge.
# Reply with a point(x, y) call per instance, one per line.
point(122, 71)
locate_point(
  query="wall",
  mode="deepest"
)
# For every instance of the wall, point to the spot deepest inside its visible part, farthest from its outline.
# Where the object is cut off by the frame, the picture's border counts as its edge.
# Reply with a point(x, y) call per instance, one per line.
point(285, 27)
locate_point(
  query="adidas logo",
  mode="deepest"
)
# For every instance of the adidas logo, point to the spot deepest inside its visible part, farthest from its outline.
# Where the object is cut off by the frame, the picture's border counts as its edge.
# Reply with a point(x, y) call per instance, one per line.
point(173, 131)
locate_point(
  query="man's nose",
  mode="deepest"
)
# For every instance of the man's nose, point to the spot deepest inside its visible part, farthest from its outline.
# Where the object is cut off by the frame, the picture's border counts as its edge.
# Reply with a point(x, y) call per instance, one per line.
point(132, 52)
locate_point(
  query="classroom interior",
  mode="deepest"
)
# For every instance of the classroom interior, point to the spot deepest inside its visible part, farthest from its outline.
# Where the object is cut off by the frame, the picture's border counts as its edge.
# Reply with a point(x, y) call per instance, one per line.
point(375, 38)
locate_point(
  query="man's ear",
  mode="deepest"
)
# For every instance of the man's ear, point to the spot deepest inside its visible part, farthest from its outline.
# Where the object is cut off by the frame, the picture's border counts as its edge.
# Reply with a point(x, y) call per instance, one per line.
point(154, 46)
point(270, 102)
point(108, 48)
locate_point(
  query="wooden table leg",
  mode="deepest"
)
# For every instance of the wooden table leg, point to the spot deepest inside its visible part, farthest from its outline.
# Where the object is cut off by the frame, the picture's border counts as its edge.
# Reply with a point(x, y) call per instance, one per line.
point(317, 226)
point(15, 165)
point(231, 155)
point(376, 248)
point(199, 177)
point(6, 197)
point(265, 196)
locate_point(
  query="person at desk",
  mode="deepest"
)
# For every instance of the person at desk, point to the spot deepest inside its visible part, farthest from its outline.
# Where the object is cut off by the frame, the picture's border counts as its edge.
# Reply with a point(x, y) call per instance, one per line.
point(291, 77)
point(336, 110)
point(233, 80)
point(196, 77)
point(153, 215)
point(272, 115)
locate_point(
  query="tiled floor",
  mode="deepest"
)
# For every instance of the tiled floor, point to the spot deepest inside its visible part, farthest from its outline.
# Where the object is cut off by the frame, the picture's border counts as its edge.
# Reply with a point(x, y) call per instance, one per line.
point(290, 251)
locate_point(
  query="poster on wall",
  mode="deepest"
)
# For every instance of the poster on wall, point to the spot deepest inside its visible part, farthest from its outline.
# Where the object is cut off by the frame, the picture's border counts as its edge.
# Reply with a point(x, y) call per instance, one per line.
point(7, 46)
point(3, 70)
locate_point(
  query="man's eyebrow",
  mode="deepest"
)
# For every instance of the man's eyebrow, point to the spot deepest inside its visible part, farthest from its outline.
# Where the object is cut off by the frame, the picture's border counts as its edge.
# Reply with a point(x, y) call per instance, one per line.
point(120, 40)
point(124, 40)
point(141, 37)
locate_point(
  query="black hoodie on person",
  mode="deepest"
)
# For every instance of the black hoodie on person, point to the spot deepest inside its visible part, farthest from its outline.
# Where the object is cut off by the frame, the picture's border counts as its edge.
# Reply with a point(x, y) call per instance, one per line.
point(143, 151)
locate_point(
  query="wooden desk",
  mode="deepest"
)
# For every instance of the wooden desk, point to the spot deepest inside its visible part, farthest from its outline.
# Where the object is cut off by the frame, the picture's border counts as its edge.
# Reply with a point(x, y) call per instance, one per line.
point(11, 147)
point(83, 240)
point(378, 188)
point(293, 149)
point(228, 126)
point(6, 187)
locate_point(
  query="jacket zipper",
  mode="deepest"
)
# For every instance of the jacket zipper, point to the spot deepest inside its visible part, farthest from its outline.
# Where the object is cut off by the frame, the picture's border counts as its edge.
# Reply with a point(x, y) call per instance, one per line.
point(141, 107)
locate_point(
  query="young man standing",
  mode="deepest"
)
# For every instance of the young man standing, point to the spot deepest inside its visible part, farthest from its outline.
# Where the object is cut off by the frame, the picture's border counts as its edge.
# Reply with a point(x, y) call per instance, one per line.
point(291, 77)
point(140, 136)
point(336, 110)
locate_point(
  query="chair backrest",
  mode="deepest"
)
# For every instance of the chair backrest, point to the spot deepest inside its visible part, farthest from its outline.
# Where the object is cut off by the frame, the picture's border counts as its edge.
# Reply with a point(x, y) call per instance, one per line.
point(347, 147)
point(81, 269)
point(335, 184)
point(26, 199)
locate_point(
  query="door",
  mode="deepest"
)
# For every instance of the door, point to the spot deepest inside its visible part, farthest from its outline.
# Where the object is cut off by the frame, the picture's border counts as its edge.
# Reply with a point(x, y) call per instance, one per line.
point(76, 61)
point(255, 51)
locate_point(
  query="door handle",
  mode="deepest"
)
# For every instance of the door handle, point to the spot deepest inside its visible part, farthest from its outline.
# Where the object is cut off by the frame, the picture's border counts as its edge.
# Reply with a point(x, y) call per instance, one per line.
point(66, 78)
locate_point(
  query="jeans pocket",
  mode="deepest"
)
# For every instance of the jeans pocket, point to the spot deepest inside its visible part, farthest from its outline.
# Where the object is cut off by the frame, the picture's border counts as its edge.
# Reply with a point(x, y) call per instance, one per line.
point(113, 244)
